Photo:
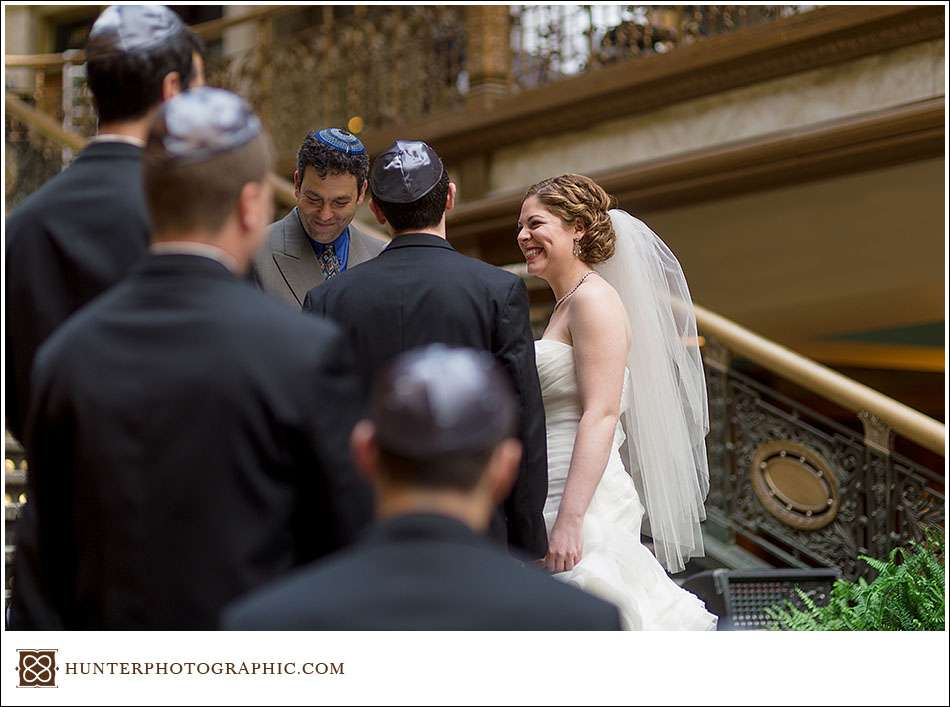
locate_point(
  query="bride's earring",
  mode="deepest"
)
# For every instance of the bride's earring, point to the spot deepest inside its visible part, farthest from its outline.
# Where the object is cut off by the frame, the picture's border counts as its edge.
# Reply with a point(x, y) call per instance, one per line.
point(577, 248)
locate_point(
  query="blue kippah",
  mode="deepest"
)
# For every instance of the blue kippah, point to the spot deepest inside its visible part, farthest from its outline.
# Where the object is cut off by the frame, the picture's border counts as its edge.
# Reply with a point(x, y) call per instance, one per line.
point(340, 140)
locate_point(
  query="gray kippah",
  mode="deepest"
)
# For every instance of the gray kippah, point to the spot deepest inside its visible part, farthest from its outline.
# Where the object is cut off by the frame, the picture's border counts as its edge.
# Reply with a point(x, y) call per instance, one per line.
point(440, 400)
point(199, 124)
point(123, 29)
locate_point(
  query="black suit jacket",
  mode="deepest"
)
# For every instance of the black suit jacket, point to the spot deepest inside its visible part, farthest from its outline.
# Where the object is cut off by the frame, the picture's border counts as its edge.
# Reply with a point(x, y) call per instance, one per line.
point(189, 441)
point(69, 241)
point(421, 572)
point(419, 291)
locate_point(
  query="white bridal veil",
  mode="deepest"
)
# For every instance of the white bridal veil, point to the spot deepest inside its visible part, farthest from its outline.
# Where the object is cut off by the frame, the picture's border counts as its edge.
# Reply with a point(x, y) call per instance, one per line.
point(667, 418)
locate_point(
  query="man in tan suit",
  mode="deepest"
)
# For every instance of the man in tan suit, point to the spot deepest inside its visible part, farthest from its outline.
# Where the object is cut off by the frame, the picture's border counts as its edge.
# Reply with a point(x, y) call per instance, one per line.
point(317, 239)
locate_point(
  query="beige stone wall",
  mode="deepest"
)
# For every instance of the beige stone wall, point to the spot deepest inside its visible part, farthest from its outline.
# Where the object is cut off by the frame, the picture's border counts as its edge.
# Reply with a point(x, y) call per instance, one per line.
point(874, 83)
point(803, 262)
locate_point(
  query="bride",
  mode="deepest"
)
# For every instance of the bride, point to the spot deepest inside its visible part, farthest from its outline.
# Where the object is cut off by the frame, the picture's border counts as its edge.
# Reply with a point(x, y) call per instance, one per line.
point(621, 347)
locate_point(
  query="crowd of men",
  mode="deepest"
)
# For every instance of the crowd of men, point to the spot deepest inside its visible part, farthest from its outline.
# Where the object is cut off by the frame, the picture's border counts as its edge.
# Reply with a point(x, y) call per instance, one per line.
point(204, 454)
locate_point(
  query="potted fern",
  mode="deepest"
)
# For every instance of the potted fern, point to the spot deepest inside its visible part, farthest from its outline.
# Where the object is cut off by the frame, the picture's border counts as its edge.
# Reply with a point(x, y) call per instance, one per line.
point(906, 595)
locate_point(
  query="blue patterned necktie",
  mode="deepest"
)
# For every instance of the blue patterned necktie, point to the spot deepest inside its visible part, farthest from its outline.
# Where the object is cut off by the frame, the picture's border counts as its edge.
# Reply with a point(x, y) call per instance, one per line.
point(329, 263)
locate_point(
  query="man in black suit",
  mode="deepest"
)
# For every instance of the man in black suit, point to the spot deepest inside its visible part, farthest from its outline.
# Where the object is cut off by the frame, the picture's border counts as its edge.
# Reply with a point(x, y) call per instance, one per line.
point(420, 290)
point(439, 448)
point(189, 435)
point(84, 230)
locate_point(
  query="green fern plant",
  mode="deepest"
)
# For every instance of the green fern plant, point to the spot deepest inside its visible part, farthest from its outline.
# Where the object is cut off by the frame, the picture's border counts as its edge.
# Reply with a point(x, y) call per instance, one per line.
point(906, 595)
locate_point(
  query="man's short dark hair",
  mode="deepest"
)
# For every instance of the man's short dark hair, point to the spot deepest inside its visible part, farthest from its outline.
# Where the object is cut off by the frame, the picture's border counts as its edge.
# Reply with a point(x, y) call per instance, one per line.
point(201, 195)
point(125, 86)
point(327, 161)
point(422, 213)
point(458, 471)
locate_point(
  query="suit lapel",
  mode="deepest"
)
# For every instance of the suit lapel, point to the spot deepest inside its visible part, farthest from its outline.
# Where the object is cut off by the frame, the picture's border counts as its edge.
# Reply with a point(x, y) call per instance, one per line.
point(358, 251)
point(297, 263)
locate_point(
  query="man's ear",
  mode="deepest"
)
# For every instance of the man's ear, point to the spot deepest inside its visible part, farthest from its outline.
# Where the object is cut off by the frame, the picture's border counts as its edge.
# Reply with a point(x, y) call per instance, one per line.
point(249, 204)
point(377, 212)
point(297, 184)
point(503, 468)
point(364, 449)
point(450, 197)
point(171, 85)
point(197, 70)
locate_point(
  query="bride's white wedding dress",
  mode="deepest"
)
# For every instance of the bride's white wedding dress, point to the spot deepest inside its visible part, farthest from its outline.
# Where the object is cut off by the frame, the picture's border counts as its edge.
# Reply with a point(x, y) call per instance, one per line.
point(614, 565)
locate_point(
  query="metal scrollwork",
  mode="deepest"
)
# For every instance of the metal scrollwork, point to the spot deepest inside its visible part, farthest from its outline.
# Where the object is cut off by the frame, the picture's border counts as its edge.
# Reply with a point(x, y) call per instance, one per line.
point(830, 498)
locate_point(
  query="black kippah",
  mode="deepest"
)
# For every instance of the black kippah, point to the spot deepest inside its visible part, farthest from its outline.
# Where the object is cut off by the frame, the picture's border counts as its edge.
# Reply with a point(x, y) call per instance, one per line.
point(405, 172)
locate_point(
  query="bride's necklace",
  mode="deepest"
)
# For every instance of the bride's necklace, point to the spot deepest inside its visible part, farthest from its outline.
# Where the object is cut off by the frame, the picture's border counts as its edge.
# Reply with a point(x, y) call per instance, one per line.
point(573, 289)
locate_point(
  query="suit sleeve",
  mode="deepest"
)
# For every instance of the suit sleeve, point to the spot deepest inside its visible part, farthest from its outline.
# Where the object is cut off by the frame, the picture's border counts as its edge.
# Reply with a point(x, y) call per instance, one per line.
point(513, 345)
point(37, 301)
point(46, 555)
point(332, 484)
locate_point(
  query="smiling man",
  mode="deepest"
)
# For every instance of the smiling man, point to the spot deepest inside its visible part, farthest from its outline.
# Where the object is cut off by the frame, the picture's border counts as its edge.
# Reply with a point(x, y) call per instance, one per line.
point(317, 240)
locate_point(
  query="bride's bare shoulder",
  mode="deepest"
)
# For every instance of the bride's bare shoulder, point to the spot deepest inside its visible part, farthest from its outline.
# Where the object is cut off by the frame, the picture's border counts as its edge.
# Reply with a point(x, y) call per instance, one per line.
point(597, 305)
point(596, 297)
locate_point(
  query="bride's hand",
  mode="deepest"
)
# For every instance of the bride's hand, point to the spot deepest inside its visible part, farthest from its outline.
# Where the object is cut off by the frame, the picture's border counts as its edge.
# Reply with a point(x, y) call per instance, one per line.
point(565, 545)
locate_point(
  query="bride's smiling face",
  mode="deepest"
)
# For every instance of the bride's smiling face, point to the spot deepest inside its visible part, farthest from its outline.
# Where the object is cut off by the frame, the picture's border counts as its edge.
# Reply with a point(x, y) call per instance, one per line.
point(544, 238)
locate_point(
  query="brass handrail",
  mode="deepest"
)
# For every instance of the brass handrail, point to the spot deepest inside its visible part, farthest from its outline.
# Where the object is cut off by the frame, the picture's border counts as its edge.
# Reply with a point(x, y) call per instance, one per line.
point(213, 29)
point(844, 391)
point(49, 128)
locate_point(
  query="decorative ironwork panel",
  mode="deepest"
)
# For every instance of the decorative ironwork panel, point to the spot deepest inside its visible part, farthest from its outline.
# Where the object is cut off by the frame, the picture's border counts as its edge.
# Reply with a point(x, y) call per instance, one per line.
point(550, 42)
point(881, 500)
point(378, 64)
point(30, 161)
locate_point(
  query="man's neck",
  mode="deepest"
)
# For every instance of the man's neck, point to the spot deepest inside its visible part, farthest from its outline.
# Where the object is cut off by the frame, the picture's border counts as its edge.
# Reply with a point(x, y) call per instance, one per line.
point(202, 246)
point(460, 506)
point(135, 129)
point(434, 230)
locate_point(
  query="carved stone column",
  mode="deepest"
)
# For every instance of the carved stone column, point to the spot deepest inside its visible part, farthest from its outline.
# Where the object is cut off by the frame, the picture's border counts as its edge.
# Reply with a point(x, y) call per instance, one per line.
point(487, 52)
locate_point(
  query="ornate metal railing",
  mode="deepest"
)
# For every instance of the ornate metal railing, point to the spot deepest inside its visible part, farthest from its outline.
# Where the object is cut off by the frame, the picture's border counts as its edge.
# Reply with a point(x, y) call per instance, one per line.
point(30, 159)
point(353, 66)
point(550, 42)
point(374, 66)
point(802, 487)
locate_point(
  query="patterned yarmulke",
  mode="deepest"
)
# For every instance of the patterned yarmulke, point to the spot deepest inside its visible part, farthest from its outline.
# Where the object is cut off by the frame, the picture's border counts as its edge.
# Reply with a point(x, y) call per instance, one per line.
point(405, 172)
point(340, 140)
point(442, 400)
point(132, 28)
point(199, 124)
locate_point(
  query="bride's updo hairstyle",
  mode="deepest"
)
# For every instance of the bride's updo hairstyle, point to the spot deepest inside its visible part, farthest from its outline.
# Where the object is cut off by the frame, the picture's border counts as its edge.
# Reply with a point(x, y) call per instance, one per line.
point(576, 199)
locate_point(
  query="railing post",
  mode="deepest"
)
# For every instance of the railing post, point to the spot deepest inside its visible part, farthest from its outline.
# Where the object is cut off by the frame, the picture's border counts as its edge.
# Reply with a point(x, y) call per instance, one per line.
point(487, 52)
point(882, 532)
point(877, 434)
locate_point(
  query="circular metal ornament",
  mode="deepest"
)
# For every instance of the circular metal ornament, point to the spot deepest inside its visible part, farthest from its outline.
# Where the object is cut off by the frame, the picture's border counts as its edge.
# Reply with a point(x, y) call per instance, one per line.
point(795, 484)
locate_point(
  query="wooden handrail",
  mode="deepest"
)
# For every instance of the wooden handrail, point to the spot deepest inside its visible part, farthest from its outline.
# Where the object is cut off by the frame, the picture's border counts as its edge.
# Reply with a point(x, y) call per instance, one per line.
point(44, 124)
point(213, 29)
point(854, 396)
point(42, 61)
point(52, 130)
